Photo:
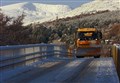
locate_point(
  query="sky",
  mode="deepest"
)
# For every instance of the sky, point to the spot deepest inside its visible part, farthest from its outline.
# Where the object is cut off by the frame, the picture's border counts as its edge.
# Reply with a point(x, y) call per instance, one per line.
point(72, 3)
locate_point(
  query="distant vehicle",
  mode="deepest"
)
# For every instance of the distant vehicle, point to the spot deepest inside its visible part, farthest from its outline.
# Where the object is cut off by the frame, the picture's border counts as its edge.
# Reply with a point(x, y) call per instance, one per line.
point(88, 42)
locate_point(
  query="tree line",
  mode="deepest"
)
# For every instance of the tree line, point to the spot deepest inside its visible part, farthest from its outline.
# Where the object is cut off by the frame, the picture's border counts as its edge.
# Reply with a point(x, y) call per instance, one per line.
point(13, 32)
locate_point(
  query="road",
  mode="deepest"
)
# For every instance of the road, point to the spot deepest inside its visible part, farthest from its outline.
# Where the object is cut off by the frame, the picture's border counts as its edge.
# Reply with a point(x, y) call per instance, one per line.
point(85, 70)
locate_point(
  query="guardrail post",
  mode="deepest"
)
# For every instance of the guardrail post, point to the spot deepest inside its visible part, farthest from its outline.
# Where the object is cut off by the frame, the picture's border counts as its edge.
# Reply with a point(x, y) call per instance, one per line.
point(118, 61)
point(116, 57)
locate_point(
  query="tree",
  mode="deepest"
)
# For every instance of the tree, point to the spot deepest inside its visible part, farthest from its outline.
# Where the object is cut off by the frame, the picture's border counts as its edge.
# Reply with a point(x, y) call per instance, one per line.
point(12, 30)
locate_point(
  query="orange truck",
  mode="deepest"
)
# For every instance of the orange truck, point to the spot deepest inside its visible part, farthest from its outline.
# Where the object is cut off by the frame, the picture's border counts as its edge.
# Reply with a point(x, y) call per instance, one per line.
point(88, 42)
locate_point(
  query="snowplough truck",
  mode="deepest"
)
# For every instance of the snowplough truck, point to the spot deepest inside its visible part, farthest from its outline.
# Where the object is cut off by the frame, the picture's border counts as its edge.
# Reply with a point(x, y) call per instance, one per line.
point(88, 42)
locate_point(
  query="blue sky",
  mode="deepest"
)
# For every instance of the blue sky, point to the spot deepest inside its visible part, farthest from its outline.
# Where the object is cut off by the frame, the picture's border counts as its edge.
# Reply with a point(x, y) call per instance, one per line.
point(71, 3)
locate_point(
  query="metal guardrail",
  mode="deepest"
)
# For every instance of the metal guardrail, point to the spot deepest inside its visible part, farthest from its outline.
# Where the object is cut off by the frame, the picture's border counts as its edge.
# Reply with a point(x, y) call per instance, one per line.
point(116, 57)
point(22, 55)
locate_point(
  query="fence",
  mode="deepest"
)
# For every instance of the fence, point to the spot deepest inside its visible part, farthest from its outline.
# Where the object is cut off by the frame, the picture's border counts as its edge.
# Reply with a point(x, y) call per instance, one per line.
point(116, 57)
point(22, 55)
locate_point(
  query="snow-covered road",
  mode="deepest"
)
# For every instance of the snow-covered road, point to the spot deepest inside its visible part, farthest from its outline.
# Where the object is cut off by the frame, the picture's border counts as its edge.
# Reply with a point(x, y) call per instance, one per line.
point(85, 70)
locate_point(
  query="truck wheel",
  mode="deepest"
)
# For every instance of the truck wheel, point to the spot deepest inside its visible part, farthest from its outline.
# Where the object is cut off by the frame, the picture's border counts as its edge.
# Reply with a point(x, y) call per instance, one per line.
point(98, 56)
point(80, 56)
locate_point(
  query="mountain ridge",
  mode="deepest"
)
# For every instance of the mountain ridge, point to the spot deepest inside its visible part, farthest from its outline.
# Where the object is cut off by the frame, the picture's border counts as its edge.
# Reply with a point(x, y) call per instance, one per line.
point(34, 11)
point(38, 12)
point(94, 6)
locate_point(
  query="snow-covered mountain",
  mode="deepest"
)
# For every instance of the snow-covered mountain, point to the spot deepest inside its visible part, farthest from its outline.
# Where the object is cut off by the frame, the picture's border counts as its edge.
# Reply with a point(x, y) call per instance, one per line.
point(94, 6)
point(37, 12)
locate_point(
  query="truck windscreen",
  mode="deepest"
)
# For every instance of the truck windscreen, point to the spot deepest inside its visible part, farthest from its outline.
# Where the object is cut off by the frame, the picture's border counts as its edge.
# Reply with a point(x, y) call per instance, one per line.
point(87, 35)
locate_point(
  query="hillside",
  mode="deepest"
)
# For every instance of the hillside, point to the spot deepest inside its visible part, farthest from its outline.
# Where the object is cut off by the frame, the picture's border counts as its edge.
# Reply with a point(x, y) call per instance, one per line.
point(113, 33)
point(98, 19)
point(57, 31)
point(101, 20)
